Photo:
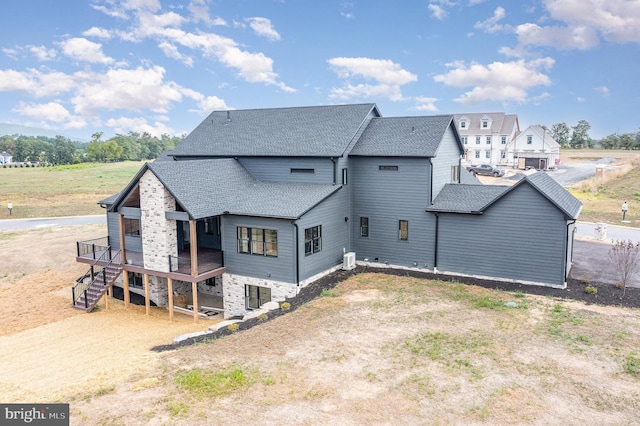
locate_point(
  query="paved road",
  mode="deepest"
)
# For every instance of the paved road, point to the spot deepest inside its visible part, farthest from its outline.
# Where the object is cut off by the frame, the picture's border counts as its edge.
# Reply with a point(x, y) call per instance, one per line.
point(16, 224)
point(613, 232)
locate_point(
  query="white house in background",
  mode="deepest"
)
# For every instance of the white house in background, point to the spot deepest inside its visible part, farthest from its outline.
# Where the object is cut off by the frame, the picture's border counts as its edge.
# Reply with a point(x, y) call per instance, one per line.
point(485, 136)
point(534, 148)
point(5, 158)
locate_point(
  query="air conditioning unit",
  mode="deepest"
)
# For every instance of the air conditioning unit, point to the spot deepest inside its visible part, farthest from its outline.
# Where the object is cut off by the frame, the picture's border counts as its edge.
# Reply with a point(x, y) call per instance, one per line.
point(349, 261)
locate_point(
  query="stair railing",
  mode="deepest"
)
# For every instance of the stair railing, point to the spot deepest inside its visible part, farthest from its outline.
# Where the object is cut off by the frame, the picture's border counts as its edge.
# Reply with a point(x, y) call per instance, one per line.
point(91, 279)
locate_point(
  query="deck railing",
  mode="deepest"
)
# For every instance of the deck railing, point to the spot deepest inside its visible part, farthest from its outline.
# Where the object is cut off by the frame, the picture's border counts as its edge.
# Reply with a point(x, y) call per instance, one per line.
point(93, 248)
point(206, 262)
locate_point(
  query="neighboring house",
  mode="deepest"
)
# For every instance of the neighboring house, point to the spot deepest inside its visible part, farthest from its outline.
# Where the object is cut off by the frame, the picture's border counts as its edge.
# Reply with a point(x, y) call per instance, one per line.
point(5, 158)
point(254, 205)
point(485, 136)
point(534, 148)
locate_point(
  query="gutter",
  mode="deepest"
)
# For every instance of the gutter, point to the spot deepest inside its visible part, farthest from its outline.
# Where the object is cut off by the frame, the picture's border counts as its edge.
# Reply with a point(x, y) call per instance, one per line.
point(335, 166)
point(566, 247)
point(297, 259)
point(435, 249)
point(431, 182)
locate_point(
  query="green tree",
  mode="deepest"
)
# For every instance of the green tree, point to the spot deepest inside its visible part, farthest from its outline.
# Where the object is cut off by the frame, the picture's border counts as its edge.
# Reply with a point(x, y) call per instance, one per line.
point(580, 135)
point(560, 132)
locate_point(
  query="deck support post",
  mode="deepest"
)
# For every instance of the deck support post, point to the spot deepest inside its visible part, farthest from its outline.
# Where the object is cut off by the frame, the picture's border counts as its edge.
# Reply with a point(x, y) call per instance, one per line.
point(194, 290)
point(170, 287)
point(125, 285)
point(147, 302)
point(123, 254)
point(193, 238)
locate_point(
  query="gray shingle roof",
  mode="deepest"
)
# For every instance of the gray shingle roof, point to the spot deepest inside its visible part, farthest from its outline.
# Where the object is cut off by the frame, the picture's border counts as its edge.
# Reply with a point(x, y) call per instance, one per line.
point(556, 193)
point(464, 198)
point(402, 136)
point(213, 187)
point(321, 131)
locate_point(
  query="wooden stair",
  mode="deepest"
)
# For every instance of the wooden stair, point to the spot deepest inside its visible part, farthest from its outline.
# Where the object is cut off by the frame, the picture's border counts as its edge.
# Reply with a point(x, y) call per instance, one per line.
point(90, 288)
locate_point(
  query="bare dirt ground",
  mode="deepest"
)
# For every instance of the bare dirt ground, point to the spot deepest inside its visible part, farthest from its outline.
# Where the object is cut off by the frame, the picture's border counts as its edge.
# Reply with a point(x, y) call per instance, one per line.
point(52, 352)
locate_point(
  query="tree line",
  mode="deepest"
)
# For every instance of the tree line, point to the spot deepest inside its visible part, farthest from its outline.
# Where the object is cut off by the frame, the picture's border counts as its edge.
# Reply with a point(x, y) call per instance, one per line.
point(578, 137)
point(61, 150)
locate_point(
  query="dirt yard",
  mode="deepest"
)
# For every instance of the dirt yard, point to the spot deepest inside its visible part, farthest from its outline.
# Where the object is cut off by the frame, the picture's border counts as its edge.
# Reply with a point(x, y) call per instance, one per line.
point(377, 349)
point(52, 352)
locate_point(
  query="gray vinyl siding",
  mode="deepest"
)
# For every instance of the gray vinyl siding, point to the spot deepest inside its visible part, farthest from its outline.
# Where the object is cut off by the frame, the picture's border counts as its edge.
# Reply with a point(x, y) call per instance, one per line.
point(448, 155)
point(279, 169)
point(113, 230)
point(386, 197)
point(281, 268)
point(330, 214)
point(522, 237)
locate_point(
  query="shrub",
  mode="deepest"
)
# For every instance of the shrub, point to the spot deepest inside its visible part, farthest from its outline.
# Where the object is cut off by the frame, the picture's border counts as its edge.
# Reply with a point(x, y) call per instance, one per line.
point(233, 327)
point(285, 306)
point(625, 256)
point(263, 317)
point(591, 290)
point(585, 281)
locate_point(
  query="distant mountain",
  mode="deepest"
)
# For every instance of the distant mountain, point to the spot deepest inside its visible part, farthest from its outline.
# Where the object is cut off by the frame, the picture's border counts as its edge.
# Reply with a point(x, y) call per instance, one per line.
point(16, 129)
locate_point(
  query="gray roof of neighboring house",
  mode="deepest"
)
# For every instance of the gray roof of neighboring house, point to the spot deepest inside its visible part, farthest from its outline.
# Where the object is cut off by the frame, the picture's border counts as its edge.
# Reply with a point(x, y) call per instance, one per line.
point(318, 131)
point(207, 188)
point(402, 136)
point(464, 198)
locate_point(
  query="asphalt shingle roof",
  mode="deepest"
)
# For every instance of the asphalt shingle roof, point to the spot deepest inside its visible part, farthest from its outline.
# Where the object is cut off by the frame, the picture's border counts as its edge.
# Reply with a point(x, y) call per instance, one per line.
point(222, 186)
point(319, 131)
point(402, 136)
point(465, 198)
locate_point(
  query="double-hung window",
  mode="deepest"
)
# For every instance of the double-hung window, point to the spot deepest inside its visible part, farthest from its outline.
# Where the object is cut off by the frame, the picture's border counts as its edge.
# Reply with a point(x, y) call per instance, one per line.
point(312, 240)
point(258, 241)
point(403, 230)
point(364, 226)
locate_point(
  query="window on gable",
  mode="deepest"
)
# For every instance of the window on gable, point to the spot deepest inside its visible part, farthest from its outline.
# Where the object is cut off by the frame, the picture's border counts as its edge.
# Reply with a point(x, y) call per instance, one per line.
point(503, 140)
point(256, 296)
point(131, 227)
point(455, 172)
point(312, 240)
point(463, 124)
point(485, 124)
point(403, 230)
point(258, 241)
point(477, 140)
point(364, 226)
point(529, 140)
point(310, 171)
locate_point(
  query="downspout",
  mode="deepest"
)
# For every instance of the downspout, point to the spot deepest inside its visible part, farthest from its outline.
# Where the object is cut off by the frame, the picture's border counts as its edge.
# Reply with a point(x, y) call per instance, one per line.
point(567, 246)
point(430, 182)
point(297, 259)
point(335, 166)
point(435, 249)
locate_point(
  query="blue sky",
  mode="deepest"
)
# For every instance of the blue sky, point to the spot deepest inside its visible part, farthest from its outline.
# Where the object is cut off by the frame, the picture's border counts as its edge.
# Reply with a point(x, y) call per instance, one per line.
point(114, 66)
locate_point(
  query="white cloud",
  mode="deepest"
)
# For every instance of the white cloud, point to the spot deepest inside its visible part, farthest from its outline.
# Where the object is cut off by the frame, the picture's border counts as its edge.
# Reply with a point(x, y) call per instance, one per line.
point(387, 75)
point(97, 33)
point(425, 104)
point(42, 53)
point(82, 49)
point(51, 111)
point(437, 11)
point(492, 25)
point(582, 24)
point(135, 89)
point(263, 27)
point(199, 11)
point(12, 53)
point(35, 83)
point(603, 90)
point(171, 51)
point(123, 125)
point(498, 81)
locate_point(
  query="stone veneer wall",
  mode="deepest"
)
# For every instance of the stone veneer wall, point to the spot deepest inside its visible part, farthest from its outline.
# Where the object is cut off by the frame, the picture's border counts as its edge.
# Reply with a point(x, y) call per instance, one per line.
point(234, 299)
point(159, 235)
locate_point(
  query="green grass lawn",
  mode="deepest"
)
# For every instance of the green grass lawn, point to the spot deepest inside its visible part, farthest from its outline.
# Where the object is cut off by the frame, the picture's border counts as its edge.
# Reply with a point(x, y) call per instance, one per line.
point(62, 190)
